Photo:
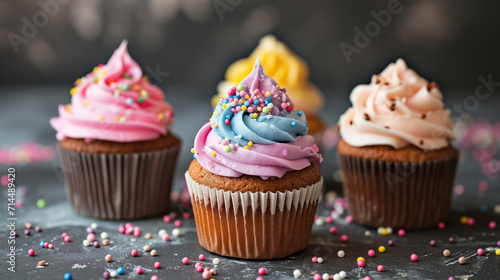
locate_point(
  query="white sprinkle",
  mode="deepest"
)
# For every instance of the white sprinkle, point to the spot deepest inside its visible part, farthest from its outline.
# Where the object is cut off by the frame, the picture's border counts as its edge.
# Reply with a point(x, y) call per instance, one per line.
point(216, 261)
point(367, 233)
point(341, 254)
point(389, 230)
point(113, 274)
point(269, 116)
point(288, 104)
point(86, 243)
point(320, 221)
point(270, 105)
point(176, 232)
point(497, 209)
point(342, 274)
point(326, 276)
point(320, 260)
point(104, 235)
point(297, 273)
point(336, 277)
point(93, 225)
point(283, 98)
point(379, 230)
point(162, 232)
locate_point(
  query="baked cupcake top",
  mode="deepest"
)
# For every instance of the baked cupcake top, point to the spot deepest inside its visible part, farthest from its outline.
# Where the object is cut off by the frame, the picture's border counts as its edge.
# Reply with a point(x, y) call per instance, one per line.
point(255, 131)
point(398, 108)
point(114, 102)
point(279, 62)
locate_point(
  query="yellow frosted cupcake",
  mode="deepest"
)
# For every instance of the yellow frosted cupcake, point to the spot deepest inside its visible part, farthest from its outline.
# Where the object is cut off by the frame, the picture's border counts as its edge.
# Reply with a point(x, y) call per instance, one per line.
point(288, 70)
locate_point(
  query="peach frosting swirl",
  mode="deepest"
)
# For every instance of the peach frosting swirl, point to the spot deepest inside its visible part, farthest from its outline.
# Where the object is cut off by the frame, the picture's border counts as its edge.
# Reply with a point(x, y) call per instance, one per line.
point(115, 102)
point(398, 108)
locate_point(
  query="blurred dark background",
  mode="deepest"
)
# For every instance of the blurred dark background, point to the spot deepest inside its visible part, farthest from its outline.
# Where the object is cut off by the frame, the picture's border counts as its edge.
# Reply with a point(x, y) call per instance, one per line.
point(449, 41)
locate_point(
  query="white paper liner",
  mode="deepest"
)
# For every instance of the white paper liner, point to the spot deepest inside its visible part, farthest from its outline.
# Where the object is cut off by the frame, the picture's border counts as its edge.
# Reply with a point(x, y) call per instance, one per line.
point(254, 225)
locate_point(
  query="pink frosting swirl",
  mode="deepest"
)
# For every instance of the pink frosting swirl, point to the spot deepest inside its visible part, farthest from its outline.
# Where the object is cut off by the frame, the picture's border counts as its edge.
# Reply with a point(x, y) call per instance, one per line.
point(264, 160)
point(397, 108)
point(115, 103)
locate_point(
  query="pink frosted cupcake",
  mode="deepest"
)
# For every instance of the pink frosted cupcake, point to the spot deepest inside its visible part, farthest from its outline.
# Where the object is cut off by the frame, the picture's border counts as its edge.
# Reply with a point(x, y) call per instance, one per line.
point(118, 155)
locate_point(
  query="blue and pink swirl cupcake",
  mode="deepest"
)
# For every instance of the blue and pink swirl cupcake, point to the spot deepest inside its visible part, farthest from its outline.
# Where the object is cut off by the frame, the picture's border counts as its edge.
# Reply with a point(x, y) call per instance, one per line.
point(255, 181)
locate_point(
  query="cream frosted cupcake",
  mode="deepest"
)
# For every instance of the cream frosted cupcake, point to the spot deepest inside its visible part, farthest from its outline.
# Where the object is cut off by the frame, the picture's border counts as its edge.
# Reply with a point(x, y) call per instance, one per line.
point(255, 181)
point(288, 70)
point(397, 162)
point(118, 157)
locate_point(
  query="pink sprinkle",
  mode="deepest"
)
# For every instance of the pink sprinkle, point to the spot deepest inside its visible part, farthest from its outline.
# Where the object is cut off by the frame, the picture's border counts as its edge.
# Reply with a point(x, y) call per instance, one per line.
point(154, 277)
point(329, 220)
point(492, 225)
point(165, 237)
point(401, 232)
point(5, 180)
point(91, 237)
point(157, 264)
point(250, 109)
point(414, 257)
point(19, 204)
point(348, 219)
point(238, 109)
point(470, 221)
point(121, 229)
point(390, 242)
point(134, 253)
point(483, 186)
point(333, 230)
point(285, 152)
point(185, 260)
point(367, 278)
point(283, 106)
point(459, 189)
point(259, 278)
point(380, 268)
point(227, 121)
point(46, 245)
point(232, 91)
point(243, 93)
point(317, 276)
point(361, 263)
point(177, 223)
point(186, 215)
point(128, 225)
point(206, 275)
point(371, 253)
point(201, 257)
point(262, 271)
point(451, 239)
point(31, 252)
point(64, 234)
point(441, 225)
point(289, 109)
point(67, 238)
point(138, 270)
point(129, 230)
point(343, 238)
point(199, 268)
point(197, 264)
point(314, 259)
point(480, 251)
point(137, 233)
point(206, 269)
point(433, 243)
point(167, 219)
point(315, 217)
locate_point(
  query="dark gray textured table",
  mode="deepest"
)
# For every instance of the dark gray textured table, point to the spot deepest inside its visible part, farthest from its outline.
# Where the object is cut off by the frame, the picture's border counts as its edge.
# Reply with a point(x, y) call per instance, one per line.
point(24, 116)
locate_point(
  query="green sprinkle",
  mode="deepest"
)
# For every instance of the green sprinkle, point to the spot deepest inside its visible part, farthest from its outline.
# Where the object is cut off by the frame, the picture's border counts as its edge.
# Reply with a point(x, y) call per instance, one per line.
point(265, 110)
point(240, 87)
point(117, 93)
point(40, 203)
point(124, 75)
point(123, 119)
point(144, 93)
point(125, 87)
point(140, 100)
point(227, 148)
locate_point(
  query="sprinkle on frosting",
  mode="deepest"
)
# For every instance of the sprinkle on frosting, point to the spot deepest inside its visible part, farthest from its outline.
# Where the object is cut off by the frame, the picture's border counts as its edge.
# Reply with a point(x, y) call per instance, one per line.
point(114, 102)
point(398, 108)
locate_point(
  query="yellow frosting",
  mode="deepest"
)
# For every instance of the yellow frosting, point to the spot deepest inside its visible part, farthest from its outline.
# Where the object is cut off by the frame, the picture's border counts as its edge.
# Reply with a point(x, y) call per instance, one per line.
point(286, 68)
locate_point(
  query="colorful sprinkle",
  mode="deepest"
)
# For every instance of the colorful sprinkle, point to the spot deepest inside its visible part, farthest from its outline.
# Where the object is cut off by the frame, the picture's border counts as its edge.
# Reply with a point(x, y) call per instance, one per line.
point(414, 257)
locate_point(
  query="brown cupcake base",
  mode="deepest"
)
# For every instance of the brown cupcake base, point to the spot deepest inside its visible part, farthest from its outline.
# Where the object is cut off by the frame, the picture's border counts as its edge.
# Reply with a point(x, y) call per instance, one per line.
point(398, 194)
point(119, 186)
point(254, 225)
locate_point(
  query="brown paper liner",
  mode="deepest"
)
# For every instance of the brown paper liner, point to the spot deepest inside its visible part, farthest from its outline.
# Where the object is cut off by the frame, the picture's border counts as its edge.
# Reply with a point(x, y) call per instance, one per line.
point(260, 225)
point(401, 195)
point(119, 186)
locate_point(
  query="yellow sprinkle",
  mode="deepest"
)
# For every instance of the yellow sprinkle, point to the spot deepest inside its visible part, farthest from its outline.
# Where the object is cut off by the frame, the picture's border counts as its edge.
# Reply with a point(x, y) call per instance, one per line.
point(250, 143)
point(384, 231)
point(247, 97)
point(268, 93)
point(85, 102)
point(111, 83)
point(224, 106)
point(241, 101)
point(161, 116)
point(96, 68)
point(497, 252)
point(78, 81)
point(360, 259)
point(117, 118)
point(259, 108)
point(217, 113)
point(215, 125)
point(463, 220)
point(100, 118)
point(243, 108)
point(68, 108)
point(136, 87)
point(278, 87)
point(214, 154)
point(73, 91)
point(381, 249)
point(192, 150)
point(254, 115)
point(103, 73)
point(246, 147)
